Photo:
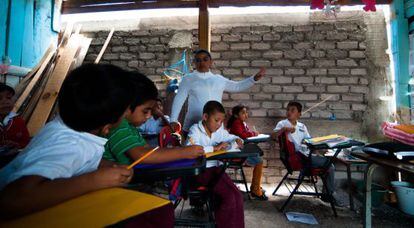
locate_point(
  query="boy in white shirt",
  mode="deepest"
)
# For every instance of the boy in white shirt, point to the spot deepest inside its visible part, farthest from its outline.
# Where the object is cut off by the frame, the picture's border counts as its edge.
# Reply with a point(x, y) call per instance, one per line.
point(152, 127)
point(210, 134)
point(297, 133)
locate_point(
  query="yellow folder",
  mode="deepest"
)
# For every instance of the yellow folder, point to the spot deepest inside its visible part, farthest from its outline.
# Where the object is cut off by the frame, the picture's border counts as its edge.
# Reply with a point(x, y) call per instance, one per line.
point(215, 153)
point(96, 209)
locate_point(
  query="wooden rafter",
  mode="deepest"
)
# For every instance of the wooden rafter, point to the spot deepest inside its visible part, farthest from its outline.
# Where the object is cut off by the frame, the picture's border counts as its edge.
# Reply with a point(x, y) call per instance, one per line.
point(204, 29)
point(83, 6)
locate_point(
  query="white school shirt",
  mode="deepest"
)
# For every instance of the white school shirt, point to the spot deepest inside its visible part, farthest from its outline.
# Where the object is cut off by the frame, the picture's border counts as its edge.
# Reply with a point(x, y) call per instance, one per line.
point(200, 137)
point(201, 87)
point(301, 133)
point(8, 118)
point(57, 151)
point(152, 126)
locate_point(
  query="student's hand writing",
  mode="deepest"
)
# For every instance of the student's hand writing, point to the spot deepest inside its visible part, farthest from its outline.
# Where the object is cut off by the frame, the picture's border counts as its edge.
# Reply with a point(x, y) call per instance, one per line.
point(114, 176)
point(239, 143)
point(221, 146)
point(260, 74)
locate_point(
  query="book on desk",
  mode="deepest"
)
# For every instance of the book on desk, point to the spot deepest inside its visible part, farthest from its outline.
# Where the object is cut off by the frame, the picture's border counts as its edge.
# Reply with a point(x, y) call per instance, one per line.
point(329, 140)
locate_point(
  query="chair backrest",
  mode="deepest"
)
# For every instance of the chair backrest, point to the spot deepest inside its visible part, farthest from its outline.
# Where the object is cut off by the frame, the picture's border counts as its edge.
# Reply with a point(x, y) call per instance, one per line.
point(168, 138)
point(289, 157)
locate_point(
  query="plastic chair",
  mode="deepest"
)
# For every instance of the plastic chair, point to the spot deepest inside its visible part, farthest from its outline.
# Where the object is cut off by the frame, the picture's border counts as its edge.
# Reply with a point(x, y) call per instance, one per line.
point(294, 161)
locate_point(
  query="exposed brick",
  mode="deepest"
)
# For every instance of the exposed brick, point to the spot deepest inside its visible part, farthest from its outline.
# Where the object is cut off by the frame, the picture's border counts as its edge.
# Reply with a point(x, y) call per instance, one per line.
point(236, 30)
point(260, 46)
point(346, 63)
point(338, 71)
point(363, 81)
point(359, 71)
point(359, 107)
point(316, 71)
point(230, 55)
point(325, 63)
point(339, 106)
point(293, 71)
point(282, 28)
point(346, 26)
point(231, 71)
point(325, 80)
point(292, 37)
point(307, 97)
point(315, 36)
point(337, 54)
point(347, 80)
point(215, 38)
point(250, 71)
point(240, 46)
point(333, 97)
point(303, 80)
point(316, 53)
point(282, 63)
point(348, 45)
point(270, 36)
point(251, 54)
point(219, 46)
point(262, 96)
point(357, 54)
point(325, 45)
point(260, 28)
point(303, 45)
point(274, 71)
point(258, 112)
point(338, 89)
point(324, 27)
point(119, 49)
point(360, 89)
point(267, 104)
point(304, 63)
point(110, 56)
point(126, 56)
point(272, 88)
point(281, 80)
point(283, 97)
point(294, 54)
point(240, 96)
point(292, 89)
point(221, 63)
point(251, 37)
point(261, 63)
point(335, 35)
point(273, 54)
point(282, 46)
point(238, 63)
point(231, 37)
point(302, 28)
point(315, 89)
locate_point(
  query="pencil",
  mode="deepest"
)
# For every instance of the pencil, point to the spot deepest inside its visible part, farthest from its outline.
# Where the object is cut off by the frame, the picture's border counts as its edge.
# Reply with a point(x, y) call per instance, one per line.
point(143, 157)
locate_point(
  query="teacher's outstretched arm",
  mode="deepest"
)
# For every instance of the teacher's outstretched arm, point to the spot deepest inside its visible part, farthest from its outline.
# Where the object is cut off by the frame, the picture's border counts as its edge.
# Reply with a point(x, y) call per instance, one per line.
point(238, 86)
point(179, 99)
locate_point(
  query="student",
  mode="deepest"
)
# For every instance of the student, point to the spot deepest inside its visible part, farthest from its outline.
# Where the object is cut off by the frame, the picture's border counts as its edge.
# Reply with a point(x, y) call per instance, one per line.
point(126, 144)
point(297, 132)
point(13, 130)
point(210, 133)
point(152, 127)
point(202, 85)
point(62, 161)
point(238, 126)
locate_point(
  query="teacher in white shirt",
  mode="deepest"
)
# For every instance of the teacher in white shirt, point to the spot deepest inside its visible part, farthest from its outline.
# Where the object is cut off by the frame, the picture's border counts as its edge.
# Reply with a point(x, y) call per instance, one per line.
point(202, 85)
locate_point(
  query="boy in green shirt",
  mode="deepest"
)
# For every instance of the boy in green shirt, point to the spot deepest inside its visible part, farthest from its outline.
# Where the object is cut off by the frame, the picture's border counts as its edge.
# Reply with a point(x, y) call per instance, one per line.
point(125, 144)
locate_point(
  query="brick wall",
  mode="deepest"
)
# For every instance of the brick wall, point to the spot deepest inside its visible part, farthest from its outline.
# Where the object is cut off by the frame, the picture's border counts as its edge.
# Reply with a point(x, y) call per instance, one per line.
point(306, 63)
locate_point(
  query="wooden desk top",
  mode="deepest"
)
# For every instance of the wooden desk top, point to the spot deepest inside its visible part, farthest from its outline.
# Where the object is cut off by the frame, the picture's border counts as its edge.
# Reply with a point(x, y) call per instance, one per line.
point(388, 162)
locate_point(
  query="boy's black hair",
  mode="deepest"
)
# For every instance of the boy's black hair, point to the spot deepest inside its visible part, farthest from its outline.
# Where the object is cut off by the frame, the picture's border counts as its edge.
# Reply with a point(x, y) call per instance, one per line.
point(94, 95)
point(213, 106)
point(160, 99)
point(295, 104)
point(235, 111)
point(196, 52)
point(4, 87)
point(144, 90)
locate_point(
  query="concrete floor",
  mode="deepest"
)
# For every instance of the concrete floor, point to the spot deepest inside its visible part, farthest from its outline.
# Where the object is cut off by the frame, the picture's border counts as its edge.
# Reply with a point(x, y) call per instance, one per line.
point(265, 214)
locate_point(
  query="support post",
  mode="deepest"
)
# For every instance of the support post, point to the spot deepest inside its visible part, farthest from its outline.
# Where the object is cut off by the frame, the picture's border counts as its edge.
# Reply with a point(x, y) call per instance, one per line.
point(204, 30)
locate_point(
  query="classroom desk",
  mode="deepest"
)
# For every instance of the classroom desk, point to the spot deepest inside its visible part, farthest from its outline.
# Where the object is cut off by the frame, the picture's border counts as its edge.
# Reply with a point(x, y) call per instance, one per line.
point(374, 162)
point(347, 162)
point(257, 139)
point(96, 209)
point(169, 170)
